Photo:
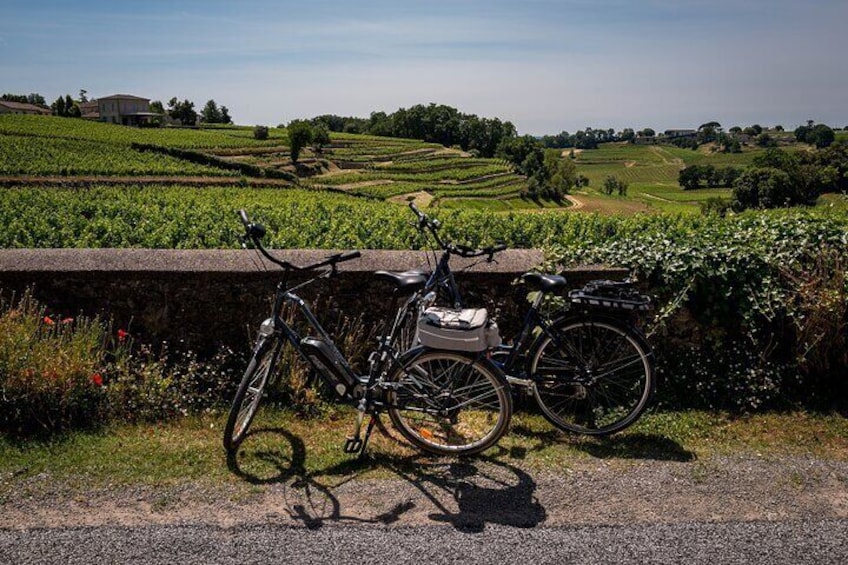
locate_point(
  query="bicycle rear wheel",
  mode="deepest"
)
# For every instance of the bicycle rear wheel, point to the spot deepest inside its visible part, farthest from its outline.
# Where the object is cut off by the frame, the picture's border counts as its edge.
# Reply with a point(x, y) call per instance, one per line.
point(449, 403)
point(592, 375)
point(249, 393)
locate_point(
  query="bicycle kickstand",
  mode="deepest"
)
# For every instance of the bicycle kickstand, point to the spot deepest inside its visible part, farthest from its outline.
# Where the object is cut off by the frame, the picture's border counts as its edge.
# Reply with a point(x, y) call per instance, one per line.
point(357, 443)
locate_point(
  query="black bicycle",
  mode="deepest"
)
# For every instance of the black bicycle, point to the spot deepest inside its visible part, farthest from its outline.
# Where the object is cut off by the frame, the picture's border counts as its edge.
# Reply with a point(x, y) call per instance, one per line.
point(443, 402)
point(589, 368)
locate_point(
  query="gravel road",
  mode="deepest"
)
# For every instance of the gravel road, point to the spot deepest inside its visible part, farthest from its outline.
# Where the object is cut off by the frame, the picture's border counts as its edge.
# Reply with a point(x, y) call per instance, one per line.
point(741, 508)
point(822, 542)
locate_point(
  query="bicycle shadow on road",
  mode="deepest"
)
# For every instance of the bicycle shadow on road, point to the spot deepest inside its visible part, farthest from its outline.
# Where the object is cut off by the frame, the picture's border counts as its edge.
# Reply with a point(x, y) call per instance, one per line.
point(465, 493)
point(264, 465)
point(626, 446)
point(482, 491)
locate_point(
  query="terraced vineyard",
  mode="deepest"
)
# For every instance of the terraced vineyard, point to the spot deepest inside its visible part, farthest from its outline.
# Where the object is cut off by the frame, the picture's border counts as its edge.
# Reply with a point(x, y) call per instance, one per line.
point(359, 166)
point(383, 168)
point(29, 155)
point(651, 172)
point(51, 127)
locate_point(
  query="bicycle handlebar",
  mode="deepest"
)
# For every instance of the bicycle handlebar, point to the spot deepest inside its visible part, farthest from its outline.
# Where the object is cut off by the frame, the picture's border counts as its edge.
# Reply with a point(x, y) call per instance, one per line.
point(255, 232)
point(424, 222)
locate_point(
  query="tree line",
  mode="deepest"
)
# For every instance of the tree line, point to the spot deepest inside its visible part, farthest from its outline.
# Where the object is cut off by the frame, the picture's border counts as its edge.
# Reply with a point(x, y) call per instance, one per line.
point(435, 123)
point(180, 111)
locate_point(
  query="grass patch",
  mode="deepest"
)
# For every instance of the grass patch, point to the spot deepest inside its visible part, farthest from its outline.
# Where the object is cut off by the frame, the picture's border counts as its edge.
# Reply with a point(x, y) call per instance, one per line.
point(282, 445)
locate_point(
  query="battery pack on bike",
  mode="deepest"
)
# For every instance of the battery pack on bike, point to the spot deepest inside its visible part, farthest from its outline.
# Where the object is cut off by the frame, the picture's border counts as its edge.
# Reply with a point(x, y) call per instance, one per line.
point(332, 367)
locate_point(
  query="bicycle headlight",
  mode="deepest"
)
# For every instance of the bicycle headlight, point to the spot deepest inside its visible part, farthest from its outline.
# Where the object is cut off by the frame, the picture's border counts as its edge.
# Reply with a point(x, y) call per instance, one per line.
point(267, 328)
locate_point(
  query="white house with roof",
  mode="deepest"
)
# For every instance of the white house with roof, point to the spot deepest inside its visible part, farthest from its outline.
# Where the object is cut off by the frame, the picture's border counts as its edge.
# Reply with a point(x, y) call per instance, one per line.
point(124, 109)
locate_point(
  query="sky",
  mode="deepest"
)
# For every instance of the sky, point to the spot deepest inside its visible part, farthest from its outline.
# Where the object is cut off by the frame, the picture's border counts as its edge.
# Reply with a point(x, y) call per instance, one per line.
point(544, 65)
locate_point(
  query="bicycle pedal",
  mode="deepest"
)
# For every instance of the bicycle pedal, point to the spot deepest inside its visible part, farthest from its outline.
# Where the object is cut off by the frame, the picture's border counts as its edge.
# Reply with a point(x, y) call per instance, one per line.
point(353, 445)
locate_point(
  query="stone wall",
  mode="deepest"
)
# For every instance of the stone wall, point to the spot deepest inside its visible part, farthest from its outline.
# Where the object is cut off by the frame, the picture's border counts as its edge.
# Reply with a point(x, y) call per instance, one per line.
point(208, 298)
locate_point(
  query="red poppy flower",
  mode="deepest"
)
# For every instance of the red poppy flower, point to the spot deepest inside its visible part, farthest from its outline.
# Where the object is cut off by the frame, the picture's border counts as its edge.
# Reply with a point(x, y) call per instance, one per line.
point(122, 335)
point(48, 321)
point(97, 379)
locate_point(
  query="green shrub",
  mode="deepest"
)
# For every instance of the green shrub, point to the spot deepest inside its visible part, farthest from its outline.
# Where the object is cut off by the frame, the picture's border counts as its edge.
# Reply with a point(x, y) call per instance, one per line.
point(260, 132)
point(752, 308)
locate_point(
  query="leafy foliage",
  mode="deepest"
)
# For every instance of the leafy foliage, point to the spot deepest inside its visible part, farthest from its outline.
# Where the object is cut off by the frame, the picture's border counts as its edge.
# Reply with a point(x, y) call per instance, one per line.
point(753, 307)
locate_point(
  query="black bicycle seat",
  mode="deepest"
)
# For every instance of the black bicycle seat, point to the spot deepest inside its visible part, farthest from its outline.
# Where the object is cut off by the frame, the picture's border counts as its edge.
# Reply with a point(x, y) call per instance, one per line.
point(545, 283)
point(405, 281)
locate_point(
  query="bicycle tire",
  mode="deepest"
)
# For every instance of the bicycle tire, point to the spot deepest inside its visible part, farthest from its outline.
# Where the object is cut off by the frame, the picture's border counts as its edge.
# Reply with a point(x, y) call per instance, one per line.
point(597, 380)
point(449, 403)
point(249, 393)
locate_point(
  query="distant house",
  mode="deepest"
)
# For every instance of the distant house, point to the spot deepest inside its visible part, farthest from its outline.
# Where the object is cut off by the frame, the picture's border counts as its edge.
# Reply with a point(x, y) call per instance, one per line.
point(680, 133)
point(125, 109)
point(644, 140)
point(90, 110)
point(21, 108)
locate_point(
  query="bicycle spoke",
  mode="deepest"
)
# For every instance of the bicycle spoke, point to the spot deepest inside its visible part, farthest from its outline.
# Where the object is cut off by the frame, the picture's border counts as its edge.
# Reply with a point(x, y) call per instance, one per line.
point(461, 409)
point(591, 377)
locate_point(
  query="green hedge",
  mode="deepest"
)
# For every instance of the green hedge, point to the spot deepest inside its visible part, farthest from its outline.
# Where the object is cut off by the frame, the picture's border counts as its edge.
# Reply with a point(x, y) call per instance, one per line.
point(753, 308)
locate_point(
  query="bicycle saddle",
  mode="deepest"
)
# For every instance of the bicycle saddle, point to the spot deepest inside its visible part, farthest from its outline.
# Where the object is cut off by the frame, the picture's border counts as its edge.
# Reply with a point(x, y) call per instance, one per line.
point(545, 283)
point(405, 281)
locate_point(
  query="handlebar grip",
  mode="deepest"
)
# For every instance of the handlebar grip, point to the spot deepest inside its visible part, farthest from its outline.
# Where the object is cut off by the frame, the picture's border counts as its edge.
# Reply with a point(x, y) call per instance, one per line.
point(465, 251)
point(499, 247)
point(243, 215)
point(415, 209)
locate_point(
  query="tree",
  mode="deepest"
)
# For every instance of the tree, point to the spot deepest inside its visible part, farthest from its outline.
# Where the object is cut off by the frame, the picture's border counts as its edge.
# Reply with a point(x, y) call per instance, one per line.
point(58, 107)
point(561, 175)
point(182, 111)
point(300, 135)
point(83, 96)
point(523, 153)
point(764, 187)
point(320, 137)
point(647, 132)
point(821, 136)
point(72, 109)
point(31, 98)
point(210, 113)
point(689, 177)
point(614, 184)
point(225, 116)
point(765, 140)
point(708, 132)
point(156, 107)
point(260, 132)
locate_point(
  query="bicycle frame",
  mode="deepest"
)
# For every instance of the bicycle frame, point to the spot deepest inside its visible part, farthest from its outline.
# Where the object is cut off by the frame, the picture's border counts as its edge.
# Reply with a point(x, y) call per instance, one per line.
point(419, 381)
point(442, 280)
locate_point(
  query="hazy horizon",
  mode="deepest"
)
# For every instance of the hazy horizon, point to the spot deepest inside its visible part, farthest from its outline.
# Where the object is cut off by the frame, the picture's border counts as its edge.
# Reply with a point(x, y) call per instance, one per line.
point(544, 65)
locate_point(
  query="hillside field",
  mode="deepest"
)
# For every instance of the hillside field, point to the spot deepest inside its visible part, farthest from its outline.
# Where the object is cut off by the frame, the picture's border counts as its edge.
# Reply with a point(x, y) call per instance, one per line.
point(46, 150)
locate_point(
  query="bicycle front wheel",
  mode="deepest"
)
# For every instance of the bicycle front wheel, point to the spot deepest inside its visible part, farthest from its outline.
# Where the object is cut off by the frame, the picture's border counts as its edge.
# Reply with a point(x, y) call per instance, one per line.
point(249, 393)
point(449, 403)
point(592, 376)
